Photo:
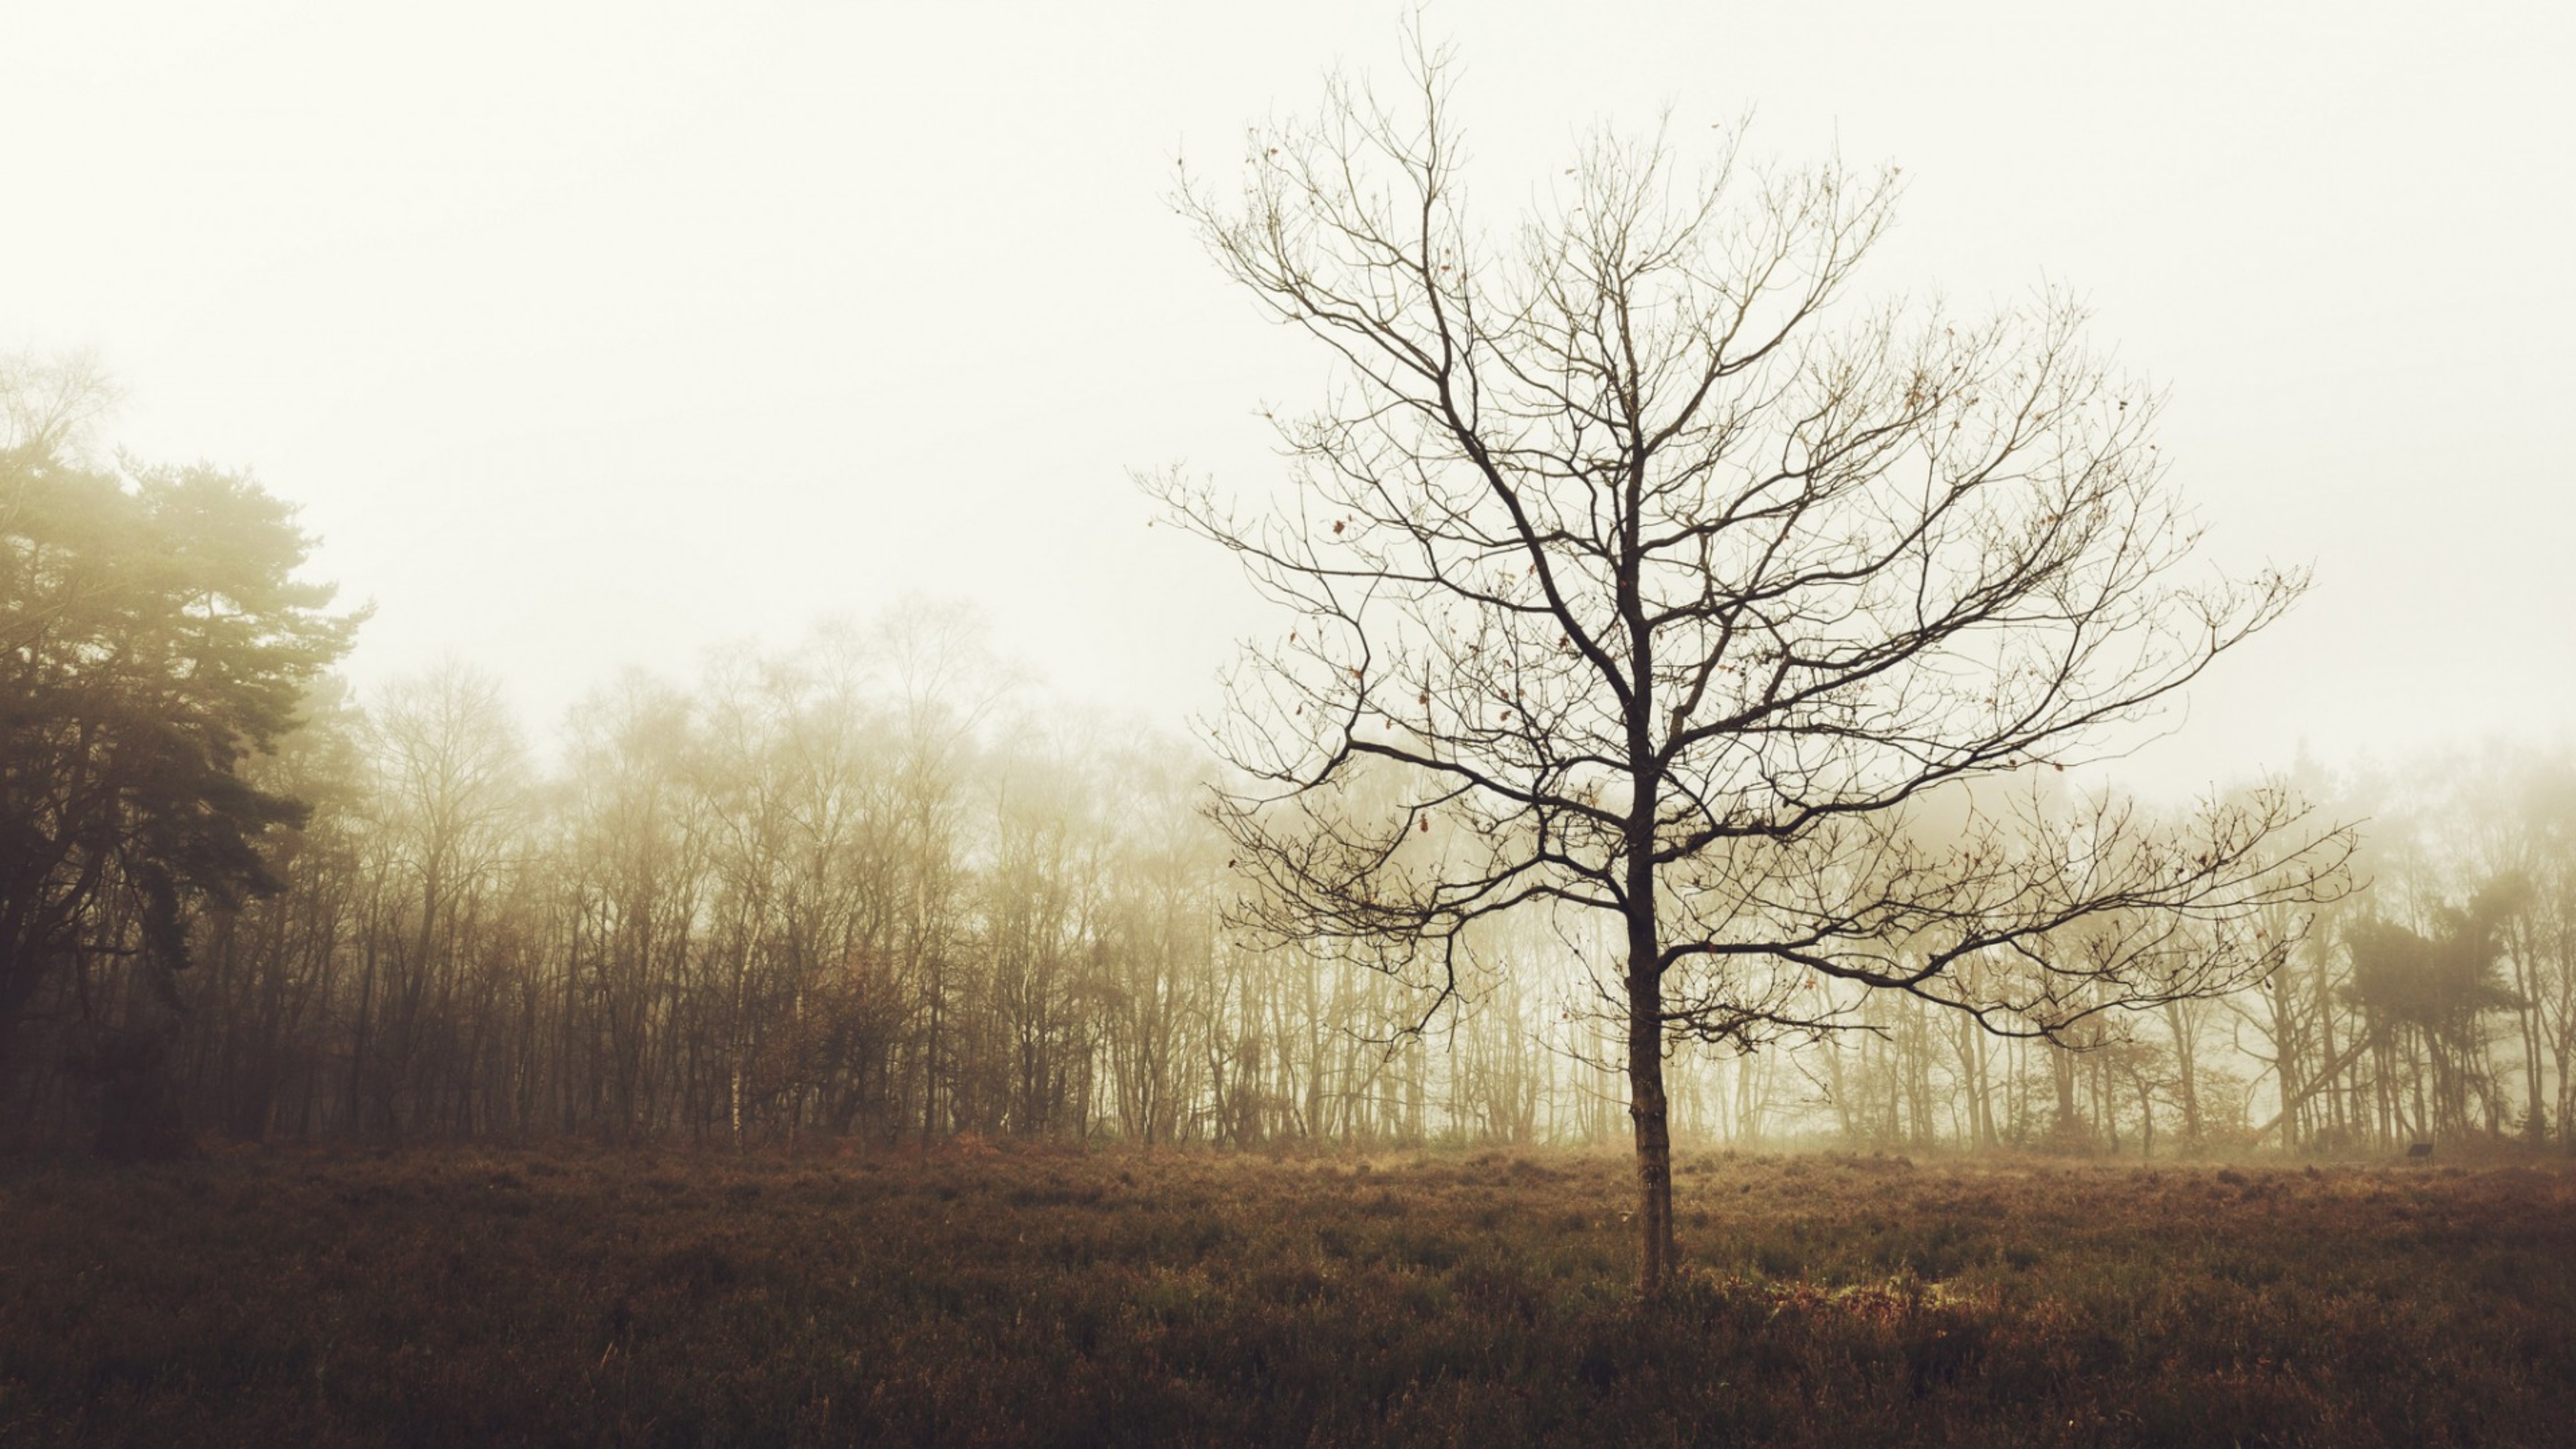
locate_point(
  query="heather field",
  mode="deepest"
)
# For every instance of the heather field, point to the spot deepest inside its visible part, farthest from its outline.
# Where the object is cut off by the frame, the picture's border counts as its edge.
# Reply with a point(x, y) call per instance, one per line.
point(572, 1297)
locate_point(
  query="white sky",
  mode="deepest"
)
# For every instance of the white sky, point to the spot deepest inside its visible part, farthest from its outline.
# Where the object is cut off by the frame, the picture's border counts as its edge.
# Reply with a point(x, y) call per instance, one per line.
point(594, 336)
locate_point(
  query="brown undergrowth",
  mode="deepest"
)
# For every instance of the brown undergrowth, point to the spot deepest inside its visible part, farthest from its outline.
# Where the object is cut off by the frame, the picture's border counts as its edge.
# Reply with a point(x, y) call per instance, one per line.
point(570, 1297)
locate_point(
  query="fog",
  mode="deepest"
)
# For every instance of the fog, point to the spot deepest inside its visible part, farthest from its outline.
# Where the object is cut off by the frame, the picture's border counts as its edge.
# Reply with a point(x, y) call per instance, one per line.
point(589, 337)
point(1049, 725)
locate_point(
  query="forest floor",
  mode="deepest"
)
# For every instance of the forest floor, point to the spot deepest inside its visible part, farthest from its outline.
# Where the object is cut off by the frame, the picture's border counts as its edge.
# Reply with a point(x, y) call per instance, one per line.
point(568, 1296)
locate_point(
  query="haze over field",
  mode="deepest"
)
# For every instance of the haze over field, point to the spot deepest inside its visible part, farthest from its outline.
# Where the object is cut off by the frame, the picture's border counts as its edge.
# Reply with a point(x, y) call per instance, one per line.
point(829, 724)
point(587, 337)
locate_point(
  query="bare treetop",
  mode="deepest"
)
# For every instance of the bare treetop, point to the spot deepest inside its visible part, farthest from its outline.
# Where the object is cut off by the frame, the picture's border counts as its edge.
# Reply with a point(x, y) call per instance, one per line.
point(1666, 576)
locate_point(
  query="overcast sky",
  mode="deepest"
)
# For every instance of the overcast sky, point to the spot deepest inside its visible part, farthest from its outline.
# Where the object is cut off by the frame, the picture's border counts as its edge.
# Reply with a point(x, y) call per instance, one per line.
point(595, 336)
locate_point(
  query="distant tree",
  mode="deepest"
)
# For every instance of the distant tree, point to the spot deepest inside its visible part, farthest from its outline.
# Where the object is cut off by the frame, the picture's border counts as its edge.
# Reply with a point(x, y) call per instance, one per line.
point(2548, 942)
point(2511, 817)
point(635, 874)
point(2432, 993)
point(1671, 585)
point(49, 404)
point(154, 640)
point(451, 792)
point(258, 1001)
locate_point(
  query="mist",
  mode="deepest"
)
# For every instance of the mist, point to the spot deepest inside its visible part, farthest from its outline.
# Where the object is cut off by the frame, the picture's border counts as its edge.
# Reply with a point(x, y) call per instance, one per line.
point(809, 725)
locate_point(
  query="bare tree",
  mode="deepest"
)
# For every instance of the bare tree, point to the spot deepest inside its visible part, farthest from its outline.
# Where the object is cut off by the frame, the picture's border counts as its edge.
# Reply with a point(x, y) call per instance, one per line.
point(51, 404)
point(1672, 583)
point(452, 796)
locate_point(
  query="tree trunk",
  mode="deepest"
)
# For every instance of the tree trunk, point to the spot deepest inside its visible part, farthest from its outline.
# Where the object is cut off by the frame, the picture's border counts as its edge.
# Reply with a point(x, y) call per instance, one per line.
point(2526, 970)
point(2186, 1066)
point(1647, 1108)
point(2061, 1072)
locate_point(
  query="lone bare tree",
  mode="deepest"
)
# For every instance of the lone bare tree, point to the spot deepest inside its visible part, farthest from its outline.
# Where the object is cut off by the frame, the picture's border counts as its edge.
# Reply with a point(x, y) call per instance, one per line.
point(1670, 585)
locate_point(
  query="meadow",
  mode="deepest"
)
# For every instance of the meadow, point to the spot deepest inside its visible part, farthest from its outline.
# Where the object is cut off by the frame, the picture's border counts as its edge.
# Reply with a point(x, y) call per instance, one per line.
point(978, 1296)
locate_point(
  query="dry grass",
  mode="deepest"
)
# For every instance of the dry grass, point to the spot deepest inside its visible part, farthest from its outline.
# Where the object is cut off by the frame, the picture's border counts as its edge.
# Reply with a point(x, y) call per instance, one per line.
point(569, 1297)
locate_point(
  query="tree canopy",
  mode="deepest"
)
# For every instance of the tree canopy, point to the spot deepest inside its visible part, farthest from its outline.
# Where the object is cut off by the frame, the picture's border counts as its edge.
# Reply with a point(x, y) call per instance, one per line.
point(1660, 580)
point(154, 639)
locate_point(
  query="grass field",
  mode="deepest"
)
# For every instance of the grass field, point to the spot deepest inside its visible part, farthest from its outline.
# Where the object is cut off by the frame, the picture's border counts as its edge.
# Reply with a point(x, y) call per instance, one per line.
point(573, 1297)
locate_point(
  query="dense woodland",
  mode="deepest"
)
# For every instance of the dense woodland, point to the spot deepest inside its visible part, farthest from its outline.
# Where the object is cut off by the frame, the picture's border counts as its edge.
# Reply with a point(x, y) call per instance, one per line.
point(872, 890)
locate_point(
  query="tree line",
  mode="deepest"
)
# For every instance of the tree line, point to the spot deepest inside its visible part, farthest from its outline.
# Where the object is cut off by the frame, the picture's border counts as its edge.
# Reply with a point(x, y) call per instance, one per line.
point(2436, 1005)
point(1666, 730)
point(870, 891)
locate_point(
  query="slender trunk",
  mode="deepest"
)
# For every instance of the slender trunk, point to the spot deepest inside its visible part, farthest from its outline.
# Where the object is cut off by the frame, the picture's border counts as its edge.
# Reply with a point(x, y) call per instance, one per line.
point(2527, 979)
point(1647, 1106)
point(930, 1069)
point(1646, 1102)
point(2186, 1067)
point(741, 1037)
point(1984, 1085)
point(359, 1039)
point(2061, 1071)
point(2285, 1056)
point(2423, 1114)
point(2341, 1111)
point(1647, 1109)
